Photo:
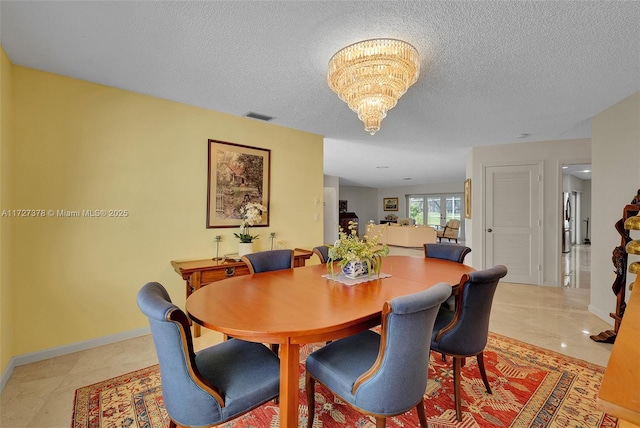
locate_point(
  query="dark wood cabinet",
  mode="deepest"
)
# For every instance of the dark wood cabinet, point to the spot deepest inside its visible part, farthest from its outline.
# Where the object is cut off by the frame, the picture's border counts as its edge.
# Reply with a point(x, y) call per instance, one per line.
point(345, 218)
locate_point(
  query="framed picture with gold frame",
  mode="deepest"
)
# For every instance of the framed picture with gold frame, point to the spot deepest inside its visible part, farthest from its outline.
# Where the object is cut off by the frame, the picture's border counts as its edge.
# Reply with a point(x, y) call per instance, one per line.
point(237, 175)
point(467, 198)
point(390, 204)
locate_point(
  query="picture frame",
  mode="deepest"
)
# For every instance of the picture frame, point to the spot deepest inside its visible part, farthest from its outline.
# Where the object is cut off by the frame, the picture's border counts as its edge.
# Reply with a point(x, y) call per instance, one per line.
point(467, 198)
point(237, 174)
point(390, 204)
point(342, 205)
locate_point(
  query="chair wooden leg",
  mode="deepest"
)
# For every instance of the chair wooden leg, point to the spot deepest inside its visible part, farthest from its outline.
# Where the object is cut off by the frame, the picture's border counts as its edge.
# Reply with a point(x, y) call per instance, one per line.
point(311, 399)
point(381, 422)
point(483, 373)
point(456, 386)
point(422, 416)
point(172, 424)
point(275, 348)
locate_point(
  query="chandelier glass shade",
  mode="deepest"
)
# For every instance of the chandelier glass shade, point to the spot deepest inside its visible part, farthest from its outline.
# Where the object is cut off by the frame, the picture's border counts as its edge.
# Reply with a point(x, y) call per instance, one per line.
point(370, 76)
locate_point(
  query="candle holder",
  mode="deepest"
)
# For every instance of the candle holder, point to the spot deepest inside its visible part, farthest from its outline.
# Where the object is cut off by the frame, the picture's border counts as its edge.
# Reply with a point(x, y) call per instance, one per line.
point(272, 236)
point(217, 240)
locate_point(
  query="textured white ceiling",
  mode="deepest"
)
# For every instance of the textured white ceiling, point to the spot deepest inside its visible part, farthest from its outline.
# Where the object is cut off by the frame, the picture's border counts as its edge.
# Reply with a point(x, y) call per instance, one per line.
point(490, 70)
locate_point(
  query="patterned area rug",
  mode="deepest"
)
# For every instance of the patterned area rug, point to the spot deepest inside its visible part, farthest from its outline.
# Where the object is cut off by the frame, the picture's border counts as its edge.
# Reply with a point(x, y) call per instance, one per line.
point(532, 387)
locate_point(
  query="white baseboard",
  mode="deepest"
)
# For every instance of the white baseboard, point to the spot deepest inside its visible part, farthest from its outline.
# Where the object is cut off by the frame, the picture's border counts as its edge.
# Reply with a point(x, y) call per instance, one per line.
point(67, 349)
point(604, 316)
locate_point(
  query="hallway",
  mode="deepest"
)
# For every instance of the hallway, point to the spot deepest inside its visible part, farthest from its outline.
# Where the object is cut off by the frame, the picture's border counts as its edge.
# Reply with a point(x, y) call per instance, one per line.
point(576, 267)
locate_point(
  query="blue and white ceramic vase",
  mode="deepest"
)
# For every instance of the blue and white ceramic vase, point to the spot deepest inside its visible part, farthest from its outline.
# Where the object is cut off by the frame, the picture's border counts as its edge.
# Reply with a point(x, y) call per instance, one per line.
point(356, 269)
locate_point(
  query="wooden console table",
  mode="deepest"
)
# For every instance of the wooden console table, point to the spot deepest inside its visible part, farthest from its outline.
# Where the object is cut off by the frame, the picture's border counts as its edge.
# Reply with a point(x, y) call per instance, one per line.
point(198, 273)
point(619, 393)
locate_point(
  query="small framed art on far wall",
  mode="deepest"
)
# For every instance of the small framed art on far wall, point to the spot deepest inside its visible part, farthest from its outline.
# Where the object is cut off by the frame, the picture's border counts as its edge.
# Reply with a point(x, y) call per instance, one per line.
point(390, 204)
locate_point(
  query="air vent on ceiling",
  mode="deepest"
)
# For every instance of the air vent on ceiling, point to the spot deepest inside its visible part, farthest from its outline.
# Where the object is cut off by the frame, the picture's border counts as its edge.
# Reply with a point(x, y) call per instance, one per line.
point(259, 116)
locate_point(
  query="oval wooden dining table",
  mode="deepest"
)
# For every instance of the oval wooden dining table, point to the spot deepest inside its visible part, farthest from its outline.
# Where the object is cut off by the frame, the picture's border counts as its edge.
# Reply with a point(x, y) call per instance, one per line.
point(293, 307)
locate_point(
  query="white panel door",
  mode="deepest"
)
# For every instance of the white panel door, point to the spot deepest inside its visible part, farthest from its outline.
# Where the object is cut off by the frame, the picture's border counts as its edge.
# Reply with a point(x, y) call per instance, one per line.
point(513, 226)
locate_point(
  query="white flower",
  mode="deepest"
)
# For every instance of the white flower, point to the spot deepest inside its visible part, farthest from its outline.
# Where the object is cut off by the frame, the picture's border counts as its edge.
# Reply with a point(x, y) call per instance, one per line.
point(251, 215)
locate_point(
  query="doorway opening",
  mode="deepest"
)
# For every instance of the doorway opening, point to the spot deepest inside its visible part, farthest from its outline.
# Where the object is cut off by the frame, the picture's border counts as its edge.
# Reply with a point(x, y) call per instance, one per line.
point(575, 230)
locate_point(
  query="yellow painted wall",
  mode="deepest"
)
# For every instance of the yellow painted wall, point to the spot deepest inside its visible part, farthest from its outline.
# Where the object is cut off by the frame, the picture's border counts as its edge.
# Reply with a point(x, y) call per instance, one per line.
point(80, 146)
point(6, 310)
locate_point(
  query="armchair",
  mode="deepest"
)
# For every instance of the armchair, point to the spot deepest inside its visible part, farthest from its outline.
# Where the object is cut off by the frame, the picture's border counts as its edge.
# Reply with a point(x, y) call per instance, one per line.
point(450, 231)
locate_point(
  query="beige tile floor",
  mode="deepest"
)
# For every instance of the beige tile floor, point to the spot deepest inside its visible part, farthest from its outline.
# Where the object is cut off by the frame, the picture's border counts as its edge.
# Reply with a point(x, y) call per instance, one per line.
point(40, 395)
point(576, 267)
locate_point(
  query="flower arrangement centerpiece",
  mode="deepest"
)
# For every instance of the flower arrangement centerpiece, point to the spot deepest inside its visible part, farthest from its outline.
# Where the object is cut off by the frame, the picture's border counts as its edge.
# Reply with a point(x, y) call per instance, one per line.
point(357, 257)
point(251, 214)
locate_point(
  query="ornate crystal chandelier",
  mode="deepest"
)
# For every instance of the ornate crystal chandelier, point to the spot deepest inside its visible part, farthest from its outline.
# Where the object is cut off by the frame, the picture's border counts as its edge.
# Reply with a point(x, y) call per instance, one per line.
point(370, 76)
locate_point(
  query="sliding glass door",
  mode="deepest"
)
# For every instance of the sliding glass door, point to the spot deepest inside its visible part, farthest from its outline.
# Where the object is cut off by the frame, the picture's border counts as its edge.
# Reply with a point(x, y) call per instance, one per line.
point(416, 208)
point(436, 210)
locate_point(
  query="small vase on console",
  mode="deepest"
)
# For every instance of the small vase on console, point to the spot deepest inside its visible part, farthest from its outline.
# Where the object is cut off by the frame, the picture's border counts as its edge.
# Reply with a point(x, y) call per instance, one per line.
point(251, 214)
point(245, 248)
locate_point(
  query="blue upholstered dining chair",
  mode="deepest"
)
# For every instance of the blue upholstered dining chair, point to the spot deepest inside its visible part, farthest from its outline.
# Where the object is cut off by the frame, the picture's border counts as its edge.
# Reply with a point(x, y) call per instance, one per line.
point(213, 385)
point(381, 374)
point(464, 332)
point(322, 251)
point(452, 252)
point(266, 261)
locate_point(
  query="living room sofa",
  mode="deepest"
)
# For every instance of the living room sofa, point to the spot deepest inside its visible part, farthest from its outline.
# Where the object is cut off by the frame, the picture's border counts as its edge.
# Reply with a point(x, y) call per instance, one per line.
point(404, 236)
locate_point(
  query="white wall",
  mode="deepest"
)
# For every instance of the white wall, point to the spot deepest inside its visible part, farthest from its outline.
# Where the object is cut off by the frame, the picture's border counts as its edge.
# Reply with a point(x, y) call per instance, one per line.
point(422, 189)
point(586, 209)
point(330, 208)
point(468, 222)
point(571, 183)
point(552, 155)
point(362, 201)
point(615, 180)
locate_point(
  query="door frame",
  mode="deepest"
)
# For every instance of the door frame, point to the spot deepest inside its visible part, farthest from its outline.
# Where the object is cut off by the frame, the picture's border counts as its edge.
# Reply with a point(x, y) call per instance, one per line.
point(560, 225)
